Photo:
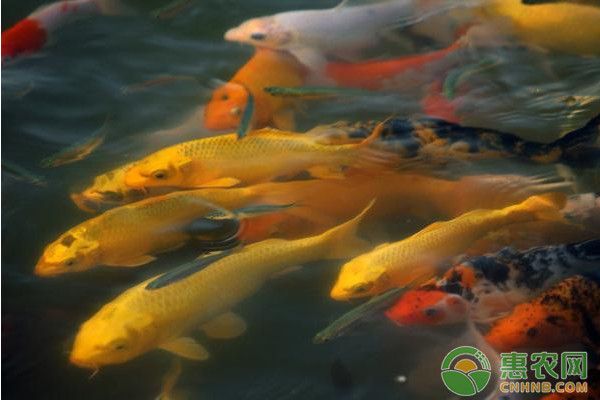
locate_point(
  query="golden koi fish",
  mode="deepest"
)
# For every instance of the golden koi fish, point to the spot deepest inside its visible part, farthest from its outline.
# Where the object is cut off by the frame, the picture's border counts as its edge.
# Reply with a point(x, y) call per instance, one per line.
point(161, 311)
point(225, 160)
point(131, 235)
point(417, 257)
point(563, 26)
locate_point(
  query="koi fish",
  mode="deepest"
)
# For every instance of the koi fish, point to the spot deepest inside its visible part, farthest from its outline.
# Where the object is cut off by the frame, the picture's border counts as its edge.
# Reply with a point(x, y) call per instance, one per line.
point(31, 34)
point(312, 35)
point(422, 195)
point(76, 152)
point(418, 257)
point(22, 174)
point(435, 141)
point(131, 235)
point(536, 24)
point(568, 313)
point(228, 101)
point(377, 74)
point(161, 311)
point(484, 288)
point(225, 161)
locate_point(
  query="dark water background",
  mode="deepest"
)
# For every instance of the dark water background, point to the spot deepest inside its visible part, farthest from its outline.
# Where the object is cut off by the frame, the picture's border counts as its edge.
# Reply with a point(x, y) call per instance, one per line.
point(65, 92)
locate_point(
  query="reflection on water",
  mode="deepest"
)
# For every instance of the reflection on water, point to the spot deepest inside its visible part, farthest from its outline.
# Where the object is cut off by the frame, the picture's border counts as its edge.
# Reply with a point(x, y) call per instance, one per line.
point(61, 95)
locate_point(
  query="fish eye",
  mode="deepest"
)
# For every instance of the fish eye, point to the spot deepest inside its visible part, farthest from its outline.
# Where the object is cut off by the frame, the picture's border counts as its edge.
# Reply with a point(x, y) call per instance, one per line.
point(70, 262)
point(430, 312)
point(258, 36)
point(225, 97)
point(362, 288)
point(119, 346)
point(160, 174)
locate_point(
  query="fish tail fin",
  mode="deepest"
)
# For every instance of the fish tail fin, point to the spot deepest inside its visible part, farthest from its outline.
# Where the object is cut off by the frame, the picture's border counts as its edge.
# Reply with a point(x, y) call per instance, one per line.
point(580, 148)
point(369, 157)
point(542, 207)
point(342, 242)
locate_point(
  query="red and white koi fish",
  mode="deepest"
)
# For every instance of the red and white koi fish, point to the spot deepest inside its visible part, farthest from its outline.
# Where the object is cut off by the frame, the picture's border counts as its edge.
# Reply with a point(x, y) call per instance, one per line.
point(31, 33)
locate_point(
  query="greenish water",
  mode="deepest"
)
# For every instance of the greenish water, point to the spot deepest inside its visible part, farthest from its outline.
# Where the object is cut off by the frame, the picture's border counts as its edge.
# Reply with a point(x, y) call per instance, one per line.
point(65, 92)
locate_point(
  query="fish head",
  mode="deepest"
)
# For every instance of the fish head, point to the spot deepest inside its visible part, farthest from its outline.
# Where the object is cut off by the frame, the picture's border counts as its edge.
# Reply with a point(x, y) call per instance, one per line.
point(114, 335)
point(359, 279)
point(108, 189)
point(71, 252)
point(161, 169)
point(428, 307)
point(261, 32)
point(226, 106)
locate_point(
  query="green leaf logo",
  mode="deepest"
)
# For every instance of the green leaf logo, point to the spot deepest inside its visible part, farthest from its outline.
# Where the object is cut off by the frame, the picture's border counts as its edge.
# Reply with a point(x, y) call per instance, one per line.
point(466, 371)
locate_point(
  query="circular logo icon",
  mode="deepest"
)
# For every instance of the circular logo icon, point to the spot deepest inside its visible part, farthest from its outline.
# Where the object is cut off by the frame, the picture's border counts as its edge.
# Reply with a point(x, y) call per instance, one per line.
point(466, 371)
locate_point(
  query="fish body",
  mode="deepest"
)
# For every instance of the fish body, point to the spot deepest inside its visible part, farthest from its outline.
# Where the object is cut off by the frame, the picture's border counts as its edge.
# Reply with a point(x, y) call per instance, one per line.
point(312, 35)
point(440, 141)
point(31, 34)
point(132, 234)
point(566, 314)
point(537, 24)
point(76, 152)
point(266, 68)
point(378, 74)
point(484, 288)
point(225, 160)
point(20, 173)
point(418, 257)
point(159, 312)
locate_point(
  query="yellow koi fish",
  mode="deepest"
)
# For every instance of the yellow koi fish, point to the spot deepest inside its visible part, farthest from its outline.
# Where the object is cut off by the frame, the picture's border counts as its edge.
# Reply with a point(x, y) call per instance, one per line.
point(225, 160)
point(161, 311)
point(417, 257)
point(130, 236)
point(566, 27)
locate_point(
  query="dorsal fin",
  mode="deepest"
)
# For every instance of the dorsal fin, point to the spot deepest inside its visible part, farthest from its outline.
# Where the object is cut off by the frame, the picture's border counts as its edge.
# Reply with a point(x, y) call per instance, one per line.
point(185, 270)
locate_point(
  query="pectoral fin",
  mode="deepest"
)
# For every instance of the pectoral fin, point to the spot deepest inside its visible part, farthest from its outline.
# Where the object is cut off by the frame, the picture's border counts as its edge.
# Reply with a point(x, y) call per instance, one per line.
point(187, 348)
point(225, 326)
point(133, 262)
point(221, 182)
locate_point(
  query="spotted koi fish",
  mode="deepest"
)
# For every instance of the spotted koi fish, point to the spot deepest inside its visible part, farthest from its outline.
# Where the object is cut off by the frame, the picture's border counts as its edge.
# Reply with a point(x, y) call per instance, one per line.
point(568, 313)
point(439, 141)
point(487, 287)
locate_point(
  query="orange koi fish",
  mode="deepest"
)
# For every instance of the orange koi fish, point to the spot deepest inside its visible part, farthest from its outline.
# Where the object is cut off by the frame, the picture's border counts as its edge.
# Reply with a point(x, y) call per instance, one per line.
point(265, 68)
point(568, 313)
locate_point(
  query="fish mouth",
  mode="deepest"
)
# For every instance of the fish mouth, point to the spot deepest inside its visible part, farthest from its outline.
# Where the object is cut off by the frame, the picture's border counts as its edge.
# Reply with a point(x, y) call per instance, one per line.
point(45, 270)
point(339, 294)
point(82, 363)
point(86, 202)
point(232, 35)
